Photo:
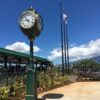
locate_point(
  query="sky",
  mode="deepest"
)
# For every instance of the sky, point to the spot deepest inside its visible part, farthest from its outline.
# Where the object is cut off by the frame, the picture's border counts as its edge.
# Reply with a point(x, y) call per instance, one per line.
point(83, 23)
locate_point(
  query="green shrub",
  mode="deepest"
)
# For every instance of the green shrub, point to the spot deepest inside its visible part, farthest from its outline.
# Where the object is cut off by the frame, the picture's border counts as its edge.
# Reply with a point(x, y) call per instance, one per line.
point(16, 89)
point(4, 93)
point(51, 78)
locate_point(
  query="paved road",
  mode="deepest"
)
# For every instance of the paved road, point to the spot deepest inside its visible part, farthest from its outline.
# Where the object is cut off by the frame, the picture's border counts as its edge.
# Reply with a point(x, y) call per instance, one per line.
point(75, 91)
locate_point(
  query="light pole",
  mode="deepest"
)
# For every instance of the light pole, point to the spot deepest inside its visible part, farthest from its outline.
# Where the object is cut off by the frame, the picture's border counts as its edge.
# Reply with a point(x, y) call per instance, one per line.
point(31, 25)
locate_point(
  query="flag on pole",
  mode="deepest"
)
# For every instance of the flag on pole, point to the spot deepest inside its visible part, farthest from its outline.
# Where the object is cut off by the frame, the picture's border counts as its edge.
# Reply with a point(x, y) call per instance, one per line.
point(65, 18)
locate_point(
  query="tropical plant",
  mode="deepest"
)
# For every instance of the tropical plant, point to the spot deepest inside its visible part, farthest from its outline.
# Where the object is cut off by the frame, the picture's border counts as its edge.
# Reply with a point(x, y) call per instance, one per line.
point(4, 93)
point(16, 89)
point(85, 67)
point(51, 78)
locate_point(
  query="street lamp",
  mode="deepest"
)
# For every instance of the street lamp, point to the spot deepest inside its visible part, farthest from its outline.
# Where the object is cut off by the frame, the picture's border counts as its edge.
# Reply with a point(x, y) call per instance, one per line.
point(31, 24)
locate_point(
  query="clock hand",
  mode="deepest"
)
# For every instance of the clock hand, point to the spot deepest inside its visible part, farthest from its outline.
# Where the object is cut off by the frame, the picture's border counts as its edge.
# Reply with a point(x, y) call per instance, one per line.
point(26, 19)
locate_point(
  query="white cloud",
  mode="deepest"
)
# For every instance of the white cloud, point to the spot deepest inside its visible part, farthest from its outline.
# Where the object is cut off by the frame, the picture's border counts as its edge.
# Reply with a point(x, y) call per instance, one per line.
point(56, 53)
point(72, 45)
point(88, 50)
point(21, 47)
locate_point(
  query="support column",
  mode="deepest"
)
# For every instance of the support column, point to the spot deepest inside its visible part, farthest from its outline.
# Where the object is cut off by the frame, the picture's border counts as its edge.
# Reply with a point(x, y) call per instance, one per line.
point(31, 83)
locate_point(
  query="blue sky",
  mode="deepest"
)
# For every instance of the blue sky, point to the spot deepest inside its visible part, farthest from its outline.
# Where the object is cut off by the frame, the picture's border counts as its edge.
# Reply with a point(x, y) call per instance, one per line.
point(83, 27)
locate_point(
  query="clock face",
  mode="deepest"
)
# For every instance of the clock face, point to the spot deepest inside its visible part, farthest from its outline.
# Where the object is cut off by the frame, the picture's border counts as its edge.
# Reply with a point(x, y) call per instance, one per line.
point(39, 23)
point(27, 20)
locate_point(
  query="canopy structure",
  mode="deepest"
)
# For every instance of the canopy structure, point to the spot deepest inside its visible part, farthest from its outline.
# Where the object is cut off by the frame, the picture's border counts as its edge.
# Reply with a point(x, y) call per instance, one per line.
point(8, 57)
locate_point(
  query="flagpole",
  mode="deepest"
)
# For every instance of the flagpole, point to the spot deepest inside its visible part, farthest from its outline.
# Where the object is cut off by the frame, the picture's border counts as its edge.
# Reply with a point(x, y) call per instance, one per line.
point(64, 23)
point(66, 30)
point(62, 39)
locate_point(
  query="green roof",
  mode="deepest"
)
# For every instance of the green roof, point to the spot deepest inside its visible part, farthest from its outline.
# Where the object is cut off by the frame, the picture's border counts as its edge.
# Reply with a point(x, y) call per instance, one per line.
point(6, 52)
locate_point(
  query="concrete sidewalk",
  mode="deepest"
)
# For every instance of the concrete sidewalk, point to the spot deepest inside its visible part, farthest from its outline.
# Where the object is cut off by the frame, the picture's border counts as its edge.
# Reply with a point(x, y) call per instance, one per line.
point(74, 91)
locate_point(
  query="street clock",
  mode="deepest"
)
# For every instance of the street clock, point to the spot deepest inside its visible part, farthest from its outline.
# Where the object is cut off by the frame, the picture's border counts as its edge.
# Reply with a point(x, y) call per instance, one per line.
point(31, 23)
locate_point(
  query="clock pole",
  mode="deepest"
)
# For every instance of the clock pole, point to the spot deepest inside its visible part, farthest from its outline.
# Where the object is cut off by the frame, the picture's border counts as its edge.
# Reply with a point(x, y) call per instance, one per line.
point(32, 31)
point(31, 81)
